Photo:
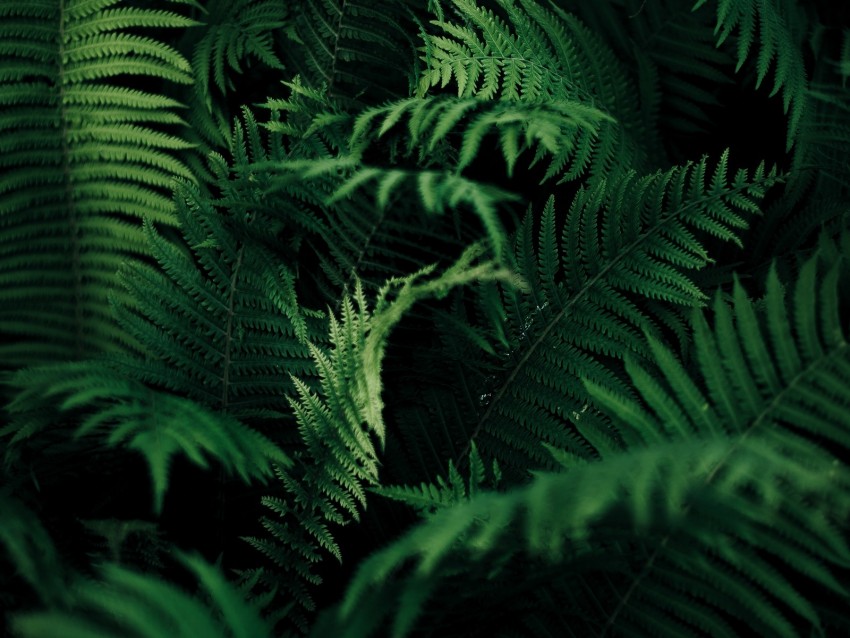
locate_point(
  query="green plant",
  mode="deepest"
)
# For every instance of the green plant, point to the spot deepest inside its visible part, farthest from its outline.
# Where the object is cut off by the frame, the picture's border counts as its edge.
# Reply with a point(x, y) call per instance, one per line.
point(438, 317)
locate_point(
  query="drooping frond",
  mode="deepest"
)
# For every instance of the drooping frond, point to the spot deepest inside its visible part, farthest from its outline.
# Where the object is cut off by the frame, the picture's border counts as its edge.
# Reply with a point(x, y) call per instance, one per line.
point(83, 157)
point(551, 129)
point(435, 191)
point(127, 603)
point(342, 428)
point(33, 557)
point(772, 26)
point(718, 520)
point(123, 412)
point(309, 163)
point(538, 55)
point(325, 171)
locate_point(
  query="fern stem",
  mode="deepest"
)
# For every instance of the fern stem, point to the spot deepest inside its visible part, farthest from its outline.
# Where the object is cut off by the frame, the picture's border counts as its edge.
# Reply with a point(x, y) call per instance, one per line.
point(335, 52)
point(353, 272)
point(228, 331)
point(73, 224)
point(221, 505)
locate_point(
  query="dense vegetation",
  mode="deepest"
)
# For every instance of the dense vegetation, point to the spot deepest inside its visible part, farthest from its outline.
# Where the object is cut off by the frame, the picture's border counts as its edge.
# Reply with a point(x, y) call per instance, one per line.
point(424, 318)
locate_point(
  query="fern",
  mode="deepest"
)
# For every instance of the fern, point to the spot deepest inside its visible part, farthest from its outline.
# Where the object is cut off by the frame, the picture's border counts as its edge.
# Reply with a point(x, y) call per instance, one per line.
point(739, 519)
point(124, 412)
point(676, 60)
point(777, 41)
point(352, 47)
point(32, 553)
point(538, 56)
point(588, 276)
point(342, 428)
point(433, 497)
point(216, 324)
point(233, 36)
point(551, 127)
point(231, 324)
point(235, 31)
point(85, 156)
point(667, 463)
point(126, 603)
point(578, 519)
point(352, 225)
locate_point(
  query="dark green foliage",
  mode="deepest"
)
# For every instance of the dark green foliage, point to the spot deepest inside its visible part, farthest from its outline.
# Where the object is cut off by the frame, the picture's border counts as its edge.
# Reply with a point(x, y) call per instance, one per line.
point(424, 318)
point(342, 426)
point(124, 412)
point(124, 603)
point(84, 155)
point(724, 496)
point(353, 49)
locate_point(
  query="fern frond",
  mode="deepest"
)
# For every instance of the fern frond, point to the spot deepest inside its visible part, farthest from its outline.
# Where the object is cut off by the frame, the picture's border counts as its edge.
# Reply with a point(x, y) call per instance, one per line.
point(233, 36)
point(216, 329)
point(538, 56)
point(550, 128)
point(342, 426)
point(772, 25)
point(438, 192)
point(677, 59)
point(670, 500)
point(84, 157)
point(310, 179)
point(588, 277)
point(429, 498)
point(353, 48)
point(231, 325)
point(233, 32)
point(765, 368)
point(773, 376)
point(126, 413)
point(126, 603)
point(32, 553)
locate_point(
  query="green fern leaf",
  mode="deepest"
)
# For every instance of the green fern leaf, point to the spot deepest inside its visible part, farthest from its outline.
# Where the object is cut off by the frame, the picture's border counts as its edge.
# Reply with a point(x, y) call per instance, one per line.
point(670, 500)
point(777, 41)
point(542, 57)
point(607, 260)
point(352, 47)
point(342, 425)
point(82, 157)
point(32, 552)
point(126, 413)
point(125, 603)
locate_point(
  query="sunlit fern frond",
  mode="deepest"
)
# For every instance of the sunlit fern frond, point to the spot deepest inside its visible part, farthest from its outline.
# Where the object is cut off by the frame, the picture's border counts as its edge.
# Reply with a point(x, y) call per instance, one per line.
point(538, 54)
point(343, 431)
